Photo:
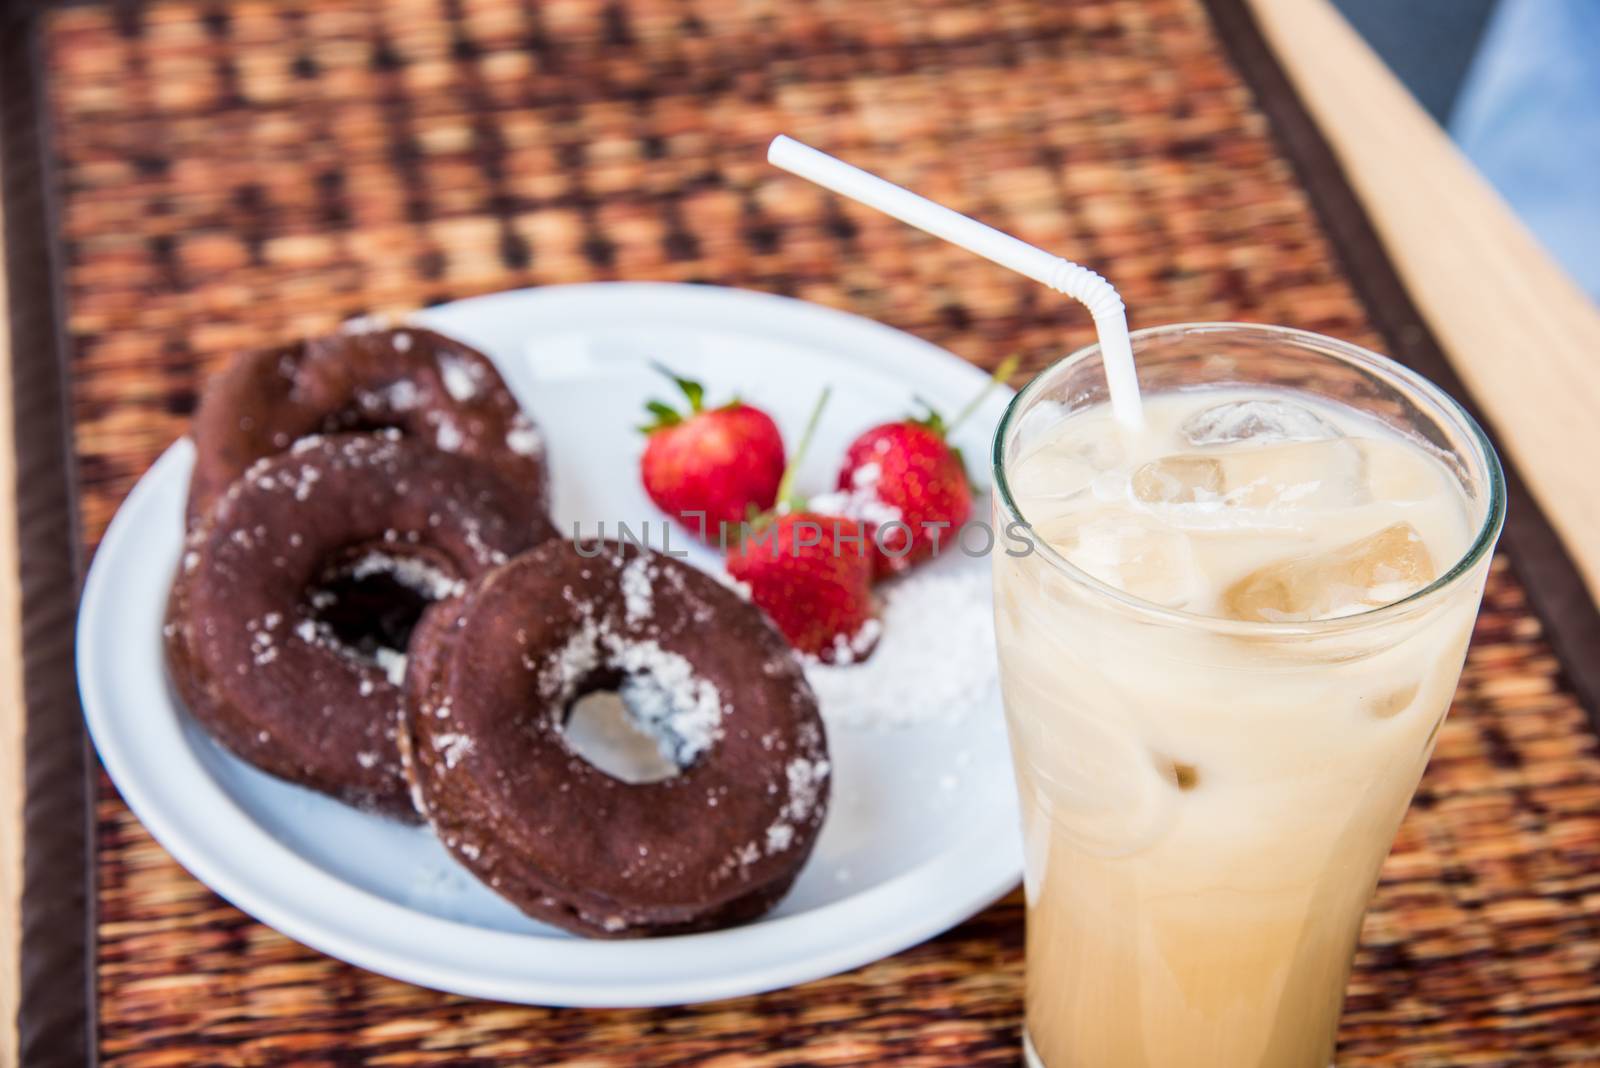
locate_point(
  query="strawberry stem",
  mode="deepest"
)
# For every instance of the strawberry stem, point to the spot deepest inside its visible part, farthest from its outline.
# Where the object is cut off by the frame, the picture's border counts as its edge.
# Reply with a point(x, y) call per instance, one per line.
point(691, 389)
point(1007, 368)
point(790, 472)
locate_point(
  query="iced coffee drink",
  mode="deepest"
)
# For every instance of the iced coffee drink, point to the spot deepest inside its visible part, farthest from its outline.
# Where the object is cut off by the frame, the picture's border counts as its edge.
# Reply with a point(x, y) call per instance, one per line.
point(1228, 639)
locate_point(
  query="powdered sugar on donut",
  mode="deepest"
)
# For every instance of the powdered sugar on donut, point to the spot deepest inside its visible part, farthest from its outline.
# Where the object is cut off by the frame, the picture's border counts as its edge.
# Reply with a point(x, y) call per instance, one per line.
point(452, 746)
point(297, 481)
point(393, 664)
point(263, 645)
point(448, 436)
point(414, 573)
point(663, 694)
point(667, 698)
point(524, 438)
point(402, 395)
point(482, 551)
point(638, 589)
point(805, 779)
point(559, 677)
point(462, 378)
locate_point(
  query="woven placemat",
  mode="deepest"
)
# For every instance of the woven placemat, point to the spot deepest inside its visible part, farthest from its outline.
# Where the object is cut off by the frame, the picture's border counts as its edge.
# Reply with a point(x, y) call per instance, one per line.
point(231, 174)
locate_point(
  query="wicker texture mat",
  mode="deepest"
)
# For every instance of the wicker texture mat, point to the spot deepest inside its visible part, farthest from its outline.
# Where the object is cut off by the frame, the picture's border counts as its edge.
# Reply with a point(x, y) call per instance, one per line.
point(234, 173)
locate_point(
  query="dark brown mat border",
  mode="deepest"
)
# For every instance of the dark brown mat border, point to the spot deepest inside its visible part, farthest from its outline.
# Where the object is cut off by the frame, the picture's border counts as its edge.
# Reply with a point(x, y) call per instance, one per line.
point(57, 1015)
point(56, 1018)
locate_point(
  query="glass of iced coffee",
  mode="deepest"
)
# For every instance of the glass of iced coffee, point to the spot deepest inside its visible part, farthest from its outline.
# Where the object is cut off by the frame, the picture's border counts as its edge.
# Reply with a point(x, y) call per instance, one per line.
point(1228, 639)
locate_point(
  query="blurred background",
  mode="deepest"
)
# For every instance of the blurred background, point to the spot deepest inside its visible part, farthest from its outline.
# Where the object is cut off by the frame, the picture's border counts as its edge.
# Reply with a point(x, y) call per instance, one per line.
point(1517, 85)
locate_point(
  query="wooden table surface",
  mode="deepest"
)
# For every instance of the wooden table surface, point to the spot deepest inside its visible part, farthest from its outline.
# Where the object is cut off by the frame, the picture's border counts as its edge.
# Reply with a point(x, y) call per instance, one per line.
point(1520, 333)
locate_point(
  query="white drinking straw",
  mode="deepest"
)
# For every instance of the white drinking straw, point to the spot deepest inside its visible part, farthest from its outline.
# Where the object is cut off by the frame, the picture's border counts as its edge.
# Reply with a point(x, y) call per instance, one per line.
point(1063, 276)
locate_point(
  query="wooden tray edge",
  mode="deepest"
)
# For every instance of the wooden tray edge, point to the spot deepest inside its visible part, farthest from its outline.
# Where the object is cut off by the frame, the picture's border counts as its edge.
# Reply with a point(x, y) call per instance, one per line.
point(1555, 585)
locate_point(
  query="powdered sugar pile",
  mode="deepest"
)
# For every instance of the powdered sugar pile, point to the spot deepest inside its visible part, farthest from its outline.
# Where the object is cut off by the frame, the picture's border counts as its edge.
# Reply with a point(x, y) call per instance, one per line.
point(934, 662)
point(849, 649)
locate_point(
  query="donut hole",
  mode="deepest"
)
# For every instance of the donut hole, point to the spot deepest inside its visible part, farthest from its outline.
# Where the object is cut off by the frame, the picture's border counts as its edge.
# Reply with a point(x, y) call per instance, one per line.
point(640, 696)
point(356, 421)
point(399, 404)
point(369, 418)
point(602, 730)
point(369, 598)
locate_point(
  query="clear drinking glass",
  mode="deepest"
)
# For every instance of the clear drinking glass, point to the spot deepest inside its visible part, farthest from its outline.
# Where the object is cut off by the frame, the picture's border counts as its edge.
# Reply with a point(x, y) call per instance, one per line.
point(1207, 802)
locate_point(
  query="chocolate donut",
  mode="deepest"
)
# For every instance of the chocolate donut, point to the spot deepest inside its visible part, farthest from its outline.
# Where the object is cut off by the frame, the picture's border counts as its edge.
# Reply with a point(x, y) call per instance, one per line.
point(416, 381)
point(290, 614)
point(496, 676)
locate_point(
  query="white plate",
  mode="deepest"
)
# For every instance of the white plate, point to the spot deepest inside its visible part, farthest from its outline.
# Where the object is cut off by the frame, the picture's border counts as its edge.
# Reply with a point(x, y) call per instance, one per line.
point(923, 827)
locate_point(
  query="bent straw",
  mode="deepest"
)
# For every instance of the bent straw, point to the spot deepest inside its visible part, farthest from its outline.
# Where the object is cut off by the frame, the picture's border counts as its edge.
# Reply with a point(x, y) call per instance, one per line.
point(1063, 276)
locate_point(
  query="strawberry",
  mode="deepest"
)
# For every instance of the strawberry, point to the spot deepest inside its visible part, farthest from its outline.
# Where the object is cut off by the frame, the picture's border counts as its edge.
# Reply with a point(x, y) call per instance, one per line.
point(812, 575)
point(909, 484)
point(810, 572)
point(710, 466)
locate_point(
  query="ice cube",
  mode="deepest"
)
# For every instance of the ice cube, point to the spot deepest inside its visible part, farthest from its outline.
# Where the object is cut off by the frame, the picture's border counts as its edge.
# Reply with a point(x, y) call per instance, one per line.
point(1064, 468)
point(1311, 474)
point(1138, 556)
point(1398, 471)
point(1331, 473)
point(1179, 479)
point(1257, 421)
point(1367, 573)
